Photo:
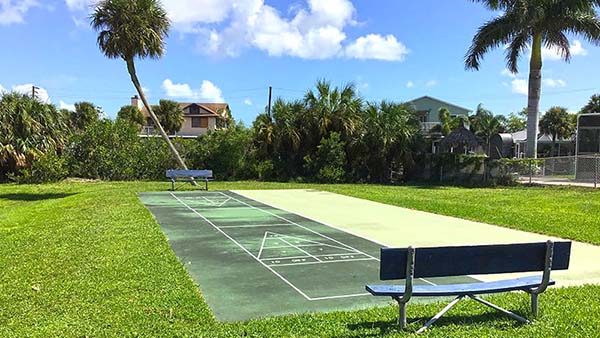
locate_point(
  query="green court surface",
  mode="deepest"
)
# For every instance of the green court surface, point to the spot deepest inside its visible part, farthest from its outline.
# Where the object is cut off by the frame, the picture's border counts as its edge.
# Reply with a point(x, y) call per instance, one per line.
point(252, 260)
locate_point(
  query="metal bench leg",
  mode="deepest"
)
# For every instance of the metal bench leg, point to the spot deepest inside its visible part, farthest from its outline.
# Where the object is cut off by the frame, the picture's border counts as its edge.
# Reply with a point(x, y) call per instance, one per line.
point(172, 185)
point(534, 305)
point(402, 315)
point(497, 308)
point(440, 314)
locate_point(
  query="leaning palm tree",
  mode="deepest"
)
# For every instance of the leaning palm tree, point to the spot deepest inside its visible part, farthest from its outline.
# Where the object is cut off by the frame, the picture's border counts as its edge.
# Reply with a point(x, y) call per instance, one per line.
point(130, 29)
point(533, 24)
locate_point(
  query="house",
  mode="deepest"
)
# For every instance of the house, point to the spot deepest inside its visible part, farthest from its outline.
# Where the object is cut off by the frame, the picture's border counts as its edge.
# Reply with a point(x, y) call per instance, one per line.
point(198, 118)
point(427, 108)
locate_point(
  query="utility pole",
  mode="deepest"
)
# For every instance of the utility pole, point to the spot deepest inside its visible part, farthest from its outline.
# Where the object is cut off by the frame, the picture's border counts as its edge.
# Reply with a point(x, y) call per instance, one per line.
point(34, 91)
point(270, 95)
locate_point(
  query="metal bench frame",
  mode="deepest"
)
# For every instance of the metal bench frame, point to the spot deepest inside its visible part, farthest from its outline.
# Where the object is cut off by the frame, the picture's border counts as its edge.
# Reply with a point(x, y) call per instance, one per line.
point(534, 292)
point(206, 176)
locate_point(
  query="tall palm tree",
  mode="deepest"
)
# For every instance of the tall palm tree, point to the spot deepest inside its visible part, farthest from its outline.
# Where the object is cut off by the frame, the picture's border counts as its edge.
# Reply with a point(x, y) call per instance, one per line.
point(533, 24)
point(130, 29)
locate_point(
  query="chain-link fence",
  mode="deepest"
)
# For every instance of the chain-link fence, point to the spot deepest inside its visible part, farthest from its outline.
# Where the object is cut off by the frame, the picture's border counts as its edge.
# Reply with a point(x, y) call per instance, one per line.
point(576, 169)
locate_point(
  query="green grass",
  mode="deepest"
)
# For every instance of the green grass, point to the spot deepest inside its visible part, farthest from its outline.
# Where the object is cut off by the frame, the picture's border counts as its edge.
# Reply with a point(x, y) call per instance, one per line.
point(87, 259)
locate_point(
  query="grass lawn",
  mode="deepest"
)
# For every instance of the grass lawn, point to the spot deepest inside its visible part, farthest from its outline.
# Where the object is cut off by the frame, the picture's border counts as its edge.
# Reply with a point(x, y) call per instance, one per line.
point(87, 259)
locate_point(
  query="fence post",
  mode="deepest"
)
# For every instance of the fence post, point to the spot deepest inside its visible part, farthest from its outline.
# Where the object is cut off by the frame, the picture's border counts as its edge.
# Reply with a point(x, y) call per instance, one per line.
point(596, 169)
point(530, 171)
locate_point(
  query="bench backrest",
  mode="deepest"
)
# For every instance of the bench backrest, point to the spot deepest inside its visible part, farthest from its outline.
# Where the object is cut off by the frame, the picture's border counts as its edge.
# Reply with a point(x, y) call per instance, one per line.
point(473, 260)
point(189, 173)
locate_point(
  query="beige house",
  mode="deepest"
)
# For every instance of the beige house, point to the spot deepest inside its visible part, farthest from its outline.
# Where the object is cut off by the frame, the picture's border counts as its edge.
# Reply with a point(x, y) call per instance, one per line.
point(198, 118)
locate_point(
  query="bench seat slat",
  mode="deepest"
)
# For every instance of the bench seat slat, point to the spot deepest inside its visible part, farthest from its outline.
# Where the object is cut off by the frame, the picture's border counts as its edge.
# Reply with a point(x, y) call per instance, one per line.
point(506, 285)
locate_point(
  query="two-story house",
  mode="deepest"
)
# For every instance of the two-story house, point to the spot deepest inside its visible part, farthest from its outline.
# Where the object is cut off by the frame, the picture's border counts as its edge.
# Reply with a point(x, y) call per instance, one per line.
point(427, 108)
point(198, 118)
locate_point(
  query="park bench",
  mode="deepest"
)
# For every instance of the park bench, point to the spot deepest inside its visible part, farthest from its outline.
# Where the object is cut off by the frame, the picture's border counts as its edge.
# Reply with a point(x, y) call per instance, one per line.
point(409, 263)
point(189, 176)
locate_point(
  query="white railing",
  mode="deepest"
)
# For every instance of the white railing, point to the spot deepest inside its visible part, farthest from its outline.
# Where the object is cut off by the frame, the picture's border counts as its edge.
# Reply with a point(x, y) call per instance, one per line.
point(427, 126)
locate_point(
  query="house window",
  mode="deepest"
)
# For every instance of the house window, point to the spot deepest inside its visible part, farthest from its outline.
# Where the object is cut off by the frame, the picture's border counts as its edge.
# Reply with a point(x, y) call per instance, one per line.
point(199, 122)
point(194, 110)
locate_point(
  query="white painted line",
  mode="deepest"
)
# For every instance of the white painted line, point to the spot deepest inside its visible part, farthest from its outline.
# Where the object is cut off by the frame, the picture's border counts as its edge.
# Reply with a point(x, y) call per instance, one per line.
point(315, 243)
point(323, 262)
point(323, 255)
point(320, 244)
point(243, 248)
point(262, 245)
point(254, 225)
point(341, 296)
point(306, 252)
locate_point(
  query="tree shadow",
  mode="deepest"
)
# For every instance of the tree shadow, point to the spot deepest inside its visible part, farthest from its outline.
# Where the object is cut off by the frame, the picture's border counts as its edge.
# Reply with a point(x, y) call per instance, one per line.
point(494, 320)
point(29, 197)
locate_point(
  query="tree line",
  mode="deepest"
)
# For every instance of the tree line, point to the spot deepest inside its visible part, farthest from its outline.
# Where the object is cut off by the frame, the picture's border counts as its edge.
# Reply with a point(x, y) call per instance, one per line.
point(329, 135)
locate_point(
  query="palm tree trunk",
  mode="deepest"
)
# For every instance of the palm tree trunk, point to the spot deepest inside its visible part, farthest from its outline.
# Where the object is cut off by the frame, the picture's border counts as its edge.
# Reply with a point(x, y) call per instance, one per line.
point(535, 89)
point(138, 87)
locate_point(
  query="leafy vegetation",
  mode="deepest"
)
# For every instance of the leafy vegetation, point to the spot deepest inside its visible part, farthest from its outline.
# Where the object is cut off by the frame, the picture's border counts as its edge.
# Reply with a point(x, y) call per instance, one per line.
point(105, 269)
point(558, 123)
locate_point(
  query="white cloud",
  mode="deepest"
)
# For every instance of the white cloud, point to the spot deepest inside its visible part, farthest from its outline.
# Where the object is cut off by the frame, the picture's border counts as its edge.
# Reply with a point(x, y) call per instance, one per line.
point(519, 86)
point(377, 47)
point(508, 73)
point(13, 11)
point(553, 54)
point(554, 83)
point(410, 84)
point(63, 105)
point(41, 93)
point(2, 89)
point(207, 91)
point(313, 29)
point(431, 83)
point(248, 102)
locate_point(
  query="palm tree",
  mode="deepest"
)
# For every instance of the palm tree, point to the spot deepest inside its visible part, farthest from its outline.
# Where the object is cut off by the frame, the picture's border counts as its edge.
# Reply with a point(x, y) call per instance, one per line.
point(130, 29)
point(533, 24)
point(557, 122)
point(170, 115)
point(593, 105)
point(485, 125)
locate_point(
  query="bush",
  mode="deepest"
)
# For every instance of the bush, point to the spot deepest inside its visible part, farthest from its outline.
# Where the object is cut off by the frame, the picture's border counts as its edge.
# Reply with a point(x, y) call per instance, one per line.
point(45, 169)
point(226, 152)
point(328, 162)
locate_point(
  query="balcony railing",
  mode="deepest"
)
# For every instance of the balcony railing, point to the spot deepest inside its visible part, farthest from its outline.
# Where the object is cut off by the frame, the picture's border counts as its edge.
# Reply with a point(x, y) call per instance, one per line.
point(427, 126)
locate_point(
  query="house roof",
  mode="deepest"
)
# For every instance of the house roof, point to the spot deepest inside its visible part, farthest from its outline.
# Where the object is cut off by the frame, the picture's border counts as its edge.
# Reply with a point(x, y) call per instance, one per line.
point(521, 137)
point(440, 101)
point(461, 136)
point(209, 109)
point(214, 108)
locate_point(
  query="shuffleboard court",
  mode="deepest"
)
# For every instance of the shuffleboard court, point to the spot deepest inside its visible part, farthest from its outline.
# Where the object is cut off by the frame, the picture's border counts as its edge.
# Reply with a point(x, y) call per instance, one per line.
point(252, 260)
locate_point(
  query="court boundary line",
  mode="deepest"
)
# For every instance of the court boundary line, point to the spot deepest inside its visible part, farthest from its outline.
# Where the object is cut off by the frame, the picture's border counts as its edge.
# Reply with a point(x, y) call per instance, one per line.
point(324, 223)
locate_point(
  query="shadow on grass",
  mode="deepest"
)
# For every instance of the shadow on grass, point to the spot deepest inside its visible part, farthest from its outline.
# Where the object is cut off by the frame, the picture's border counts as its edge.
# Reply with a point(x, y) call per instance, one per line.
point(28, 197)
point(493, 320)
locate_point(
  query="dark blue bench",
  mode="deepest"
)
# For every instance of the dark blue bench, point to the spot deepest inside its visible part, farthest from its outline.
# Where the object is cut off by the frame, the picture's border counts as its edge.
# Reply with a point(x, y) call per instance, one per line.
point(189, 176)
point(410, 263)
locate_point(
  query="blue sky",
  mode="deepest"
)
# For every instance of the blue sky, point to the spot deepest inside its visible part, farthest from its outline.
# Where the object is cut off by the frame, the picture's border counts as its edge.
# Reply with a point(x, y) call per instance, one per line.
point(232, 50)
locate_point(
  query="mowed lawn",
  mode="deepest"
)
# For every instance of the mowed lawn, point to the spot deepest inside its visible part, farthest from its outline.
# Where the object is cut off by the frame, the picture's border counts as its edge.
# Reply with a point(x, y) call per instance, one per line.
point(88, 260)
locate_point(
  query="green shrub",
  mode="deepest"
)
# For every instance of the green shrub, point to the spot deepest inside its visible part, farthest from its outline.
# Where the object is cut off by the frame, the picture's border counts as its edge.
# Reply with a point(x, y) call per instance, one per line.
point(45, 169)
point(327, 164)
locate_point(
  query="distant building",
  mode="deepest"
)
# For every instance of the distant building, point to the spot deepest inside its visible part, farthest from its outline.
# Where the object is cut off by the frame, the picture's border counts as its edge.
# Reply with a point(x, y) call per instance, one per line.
point(427, 108)
point(198, 118)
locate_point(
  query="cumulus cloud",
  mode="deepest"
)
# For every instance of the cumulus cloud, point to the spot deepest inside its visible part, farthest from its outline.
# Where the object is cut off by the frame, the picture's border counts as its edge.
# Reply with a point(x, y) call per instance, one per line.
point(313, 29)
point(431, 83)
point(14, 11)
point(410, 84)
point(519, 86)
point(2, 89)
point(508, 73)
point(207, 91)
point(553, 54)
point(377, 47)
point(552, 83)
point(41, 93)
point(248, 102)
point(63, 105)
